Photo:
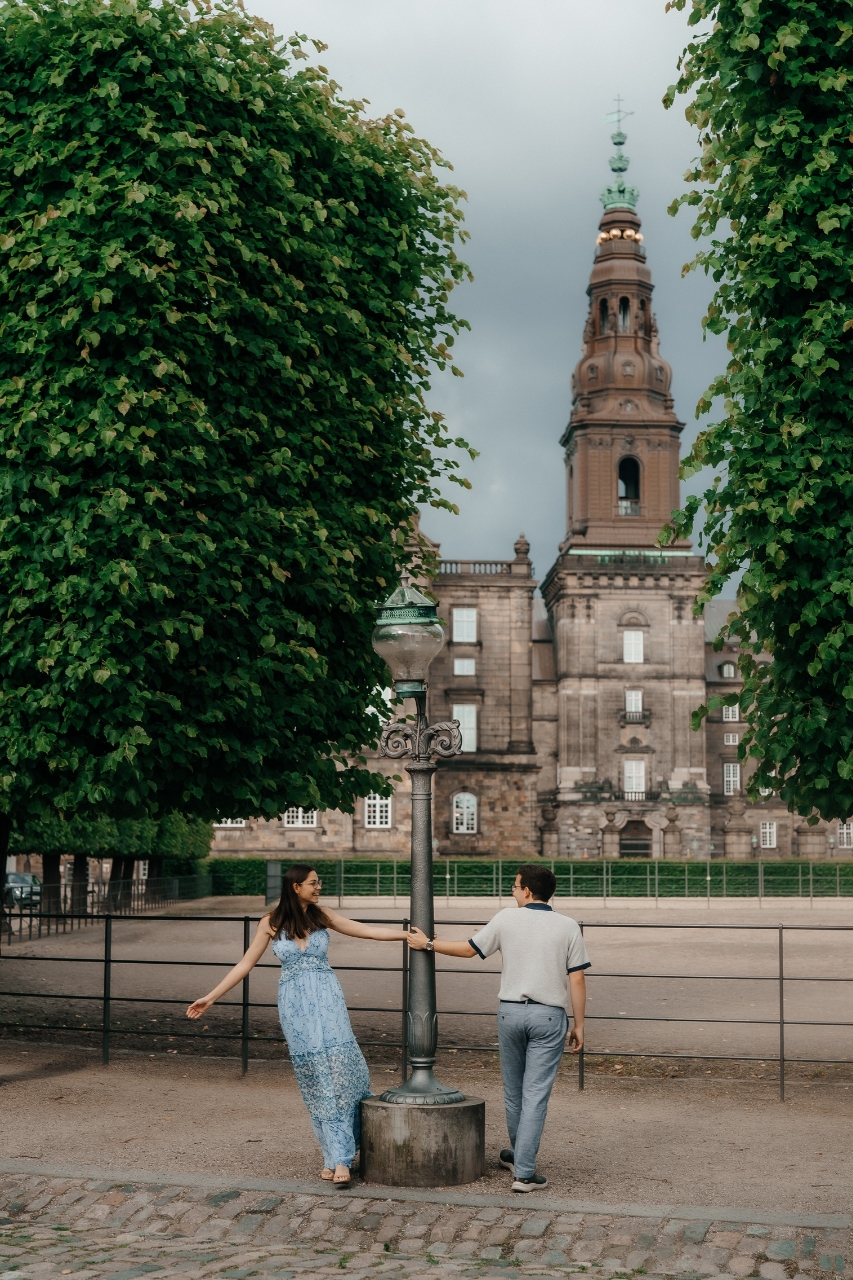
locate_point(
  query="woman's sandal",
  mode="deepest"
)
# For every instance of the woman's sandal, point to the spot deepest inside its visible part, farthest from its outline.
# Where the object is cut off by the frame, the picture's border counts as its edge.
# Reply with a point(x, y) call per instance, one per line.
point(338, 1181)
point(327, 1175)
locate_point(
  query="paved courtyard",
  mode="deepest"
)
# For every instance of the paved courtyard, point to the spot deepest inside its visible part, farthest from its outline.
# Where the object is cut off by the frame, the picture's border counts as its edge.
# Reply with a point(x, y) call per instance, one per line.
point(58, 1222)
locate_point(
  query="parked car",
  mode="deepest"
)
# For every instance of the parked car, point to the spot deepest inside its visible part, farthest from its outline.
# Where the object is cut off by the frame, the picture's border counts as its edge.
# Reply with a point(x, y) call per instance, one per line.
point(22, 888)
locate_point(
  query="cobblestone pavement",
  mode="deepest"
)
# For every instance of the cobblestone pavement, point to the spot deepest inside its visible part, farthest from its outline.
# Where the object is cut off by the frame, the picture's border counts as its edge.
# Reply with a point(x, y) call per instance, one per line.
point(53, 1226)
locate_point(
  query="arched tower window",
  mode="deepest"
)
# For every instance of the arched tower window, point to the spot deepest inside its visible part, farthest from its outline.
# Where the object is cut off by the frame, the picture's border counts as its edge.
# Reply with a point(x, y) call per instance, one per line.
point(624, 315)
point(602, 316)
point(629, 487)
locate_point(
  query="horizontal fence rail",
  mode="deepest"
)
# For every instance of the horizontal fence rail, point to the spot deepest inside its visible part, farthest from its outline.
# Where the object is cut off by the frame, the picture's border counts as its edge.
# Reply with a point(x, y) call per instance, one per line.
point(579, 878)
point(60, 908)
point(109, 963)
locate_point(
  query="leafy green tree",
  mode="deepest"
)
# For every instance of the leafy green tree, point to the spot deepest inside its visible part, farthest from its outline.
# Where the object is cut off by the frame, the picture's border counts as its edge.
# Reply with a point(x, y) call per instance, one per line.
point(772, 97)
point(222, 290)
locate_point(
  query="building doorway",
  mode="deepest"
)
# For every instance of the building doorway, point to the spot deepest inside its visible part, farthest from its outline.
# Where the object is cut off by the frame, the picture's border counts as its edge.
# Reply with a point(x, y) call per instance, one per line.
point(635, 840)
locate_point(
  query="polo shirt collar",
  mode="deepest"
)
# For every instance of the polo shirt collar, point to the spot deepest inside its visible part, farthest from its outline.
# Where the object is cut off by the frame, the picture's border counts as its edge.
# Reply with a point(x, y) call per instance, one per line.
point(537, 906)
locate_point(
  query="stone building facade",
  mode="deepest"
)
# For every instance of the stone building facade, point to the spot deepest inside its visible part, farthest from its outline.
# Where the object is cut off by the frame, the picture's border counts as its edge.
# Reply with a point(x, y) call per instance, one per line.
point(575, 704)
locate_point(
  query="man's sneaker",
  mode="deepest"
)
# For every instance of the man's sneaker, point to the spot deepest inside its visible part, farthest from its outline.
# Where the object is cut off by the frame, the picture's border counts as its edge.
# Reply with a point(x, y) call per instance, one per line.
point(507, 1159)
point(530, 1184)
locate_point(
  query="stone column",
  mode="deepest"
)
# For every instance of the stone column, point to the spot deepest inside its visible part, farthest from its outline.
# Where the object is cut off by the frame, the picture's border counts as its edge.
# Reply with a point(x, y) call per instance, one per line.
point(521, 654)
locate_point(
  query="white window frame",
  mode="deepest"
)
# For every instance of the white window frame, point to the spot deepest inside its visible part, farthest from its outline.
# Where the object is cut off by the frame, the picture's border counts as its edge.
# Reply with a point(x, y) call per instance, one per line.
point(230, 822)
point(731, 739)
point(464, 622)
point(768, 835)
point(466, 714)
point(634, 779)
point(296, 817)
point(377, 812)
point(464, 666)
point(633, 699)
point(845, 835)
point(731, 779)
point(633, 646)
point(728, 670)
point(465, 814)
point(731, 715)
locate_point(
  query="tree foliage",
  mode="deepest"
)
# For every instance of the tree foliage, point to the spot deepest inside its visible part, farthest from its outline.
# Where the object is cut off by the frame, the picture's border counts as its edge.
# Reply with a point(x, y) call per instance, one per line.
point(772, 96)
point(222, 290)
point(174, 846)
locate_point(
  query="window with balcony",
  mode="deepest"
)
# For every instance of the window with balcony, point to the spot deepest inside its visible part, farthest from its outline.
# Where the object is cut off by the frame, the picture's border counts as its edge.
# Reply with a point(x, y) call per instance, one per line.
point(632, 646)
point(466, 714)
point(465, 626)
point(464, 666)
point(731, 779)
point(377, 811)
point(768, 835)
point(464, 814)
point(732, 714)
point(628, 487)
point(633, 706)
point(300, 817)
point(634, 779)
point(845, 835)
point(731, 739)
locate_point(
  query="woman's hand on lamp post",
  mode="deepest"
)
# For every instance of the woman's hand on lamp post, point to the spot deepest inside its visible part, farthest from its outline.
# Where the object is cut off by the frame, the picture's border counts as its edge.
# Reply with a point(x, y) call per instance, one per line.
point(417, 938)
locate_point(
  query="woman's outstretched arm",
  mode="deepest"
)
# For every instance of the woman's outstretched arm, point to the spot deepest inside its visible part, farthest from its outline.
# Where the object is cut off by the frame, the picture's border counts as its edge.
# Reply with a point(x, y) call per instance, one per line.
point(353, 929)
point(238, 973)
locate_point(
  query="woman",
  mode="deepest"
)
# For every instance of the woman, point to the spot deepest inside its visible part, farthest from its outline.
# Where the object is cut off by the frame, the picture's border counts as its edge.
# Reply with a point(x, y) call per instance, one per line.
point(330, 1068)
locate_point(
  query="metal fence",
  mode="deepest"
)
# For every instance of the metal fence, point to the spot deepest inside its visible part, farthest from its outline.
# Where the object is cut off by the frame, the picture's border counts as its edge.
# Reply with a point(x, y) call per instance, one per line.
point(62, 908)
point(781, 981)
point(578, 878)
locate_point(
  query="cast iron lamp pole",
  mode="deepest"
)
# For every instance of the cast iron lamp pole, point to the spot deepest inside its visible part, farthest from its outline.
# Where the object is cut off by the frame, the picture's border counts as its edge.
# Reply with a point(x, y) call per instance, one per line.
point(408, 636)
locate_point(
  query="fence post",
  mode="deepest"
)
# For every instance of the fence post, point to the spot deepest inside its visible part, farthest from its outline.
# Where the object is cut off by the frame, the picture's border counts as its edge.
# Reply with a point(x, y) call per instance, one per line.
point(725, 895)
point(395, 882)
point(105, 1014)
point(244, 1030)
point(500, 882)
point(781, 1014)
point(447, 885)
point(571, 878)
point(838, 879)
point(760, 882)
point(811, 884)
point(340, 881)
point(686, 885)
point(708, 875)
point(580, 1055)
point(656, 882)
point(404, 1002)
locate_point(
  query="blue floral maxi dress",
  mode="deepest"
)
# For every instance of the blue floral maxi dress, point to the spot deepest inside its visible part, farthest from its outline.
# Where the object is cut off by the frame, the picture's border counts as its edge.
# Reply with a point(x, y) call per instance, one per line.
point(330, 1068)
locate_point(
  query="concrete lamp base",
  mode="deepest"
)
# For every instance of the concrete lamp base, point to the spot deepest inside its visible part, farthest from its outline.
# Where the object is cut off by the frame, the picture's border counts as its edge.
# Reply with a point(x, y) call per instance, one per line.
point(420, 1146)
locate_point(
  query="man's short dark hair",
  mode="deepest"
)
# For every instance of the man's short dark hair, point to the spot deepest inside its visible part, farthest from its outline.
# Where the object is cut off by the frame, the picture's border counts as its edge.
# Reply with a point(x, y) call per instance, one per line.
point(541, 881)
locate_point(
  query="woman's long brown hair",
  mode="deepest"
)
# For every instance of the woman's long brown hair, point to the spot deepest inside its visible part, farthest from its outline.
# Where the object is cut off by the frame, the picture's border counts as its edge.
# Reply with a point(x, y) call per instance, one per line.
point(289, 917)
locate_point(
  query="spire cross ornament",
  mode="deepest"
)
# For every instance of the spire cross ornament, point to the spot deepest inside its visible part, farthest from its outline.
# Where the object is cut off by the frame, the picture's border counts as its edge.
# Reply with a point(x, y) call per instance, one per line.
point(619, 195)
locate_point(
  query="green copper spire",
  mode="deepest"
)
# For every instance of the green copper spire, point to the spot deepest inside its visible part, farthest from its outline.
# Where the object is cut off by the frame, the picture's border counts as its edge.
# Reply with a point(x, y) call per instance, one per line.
point(618, 195)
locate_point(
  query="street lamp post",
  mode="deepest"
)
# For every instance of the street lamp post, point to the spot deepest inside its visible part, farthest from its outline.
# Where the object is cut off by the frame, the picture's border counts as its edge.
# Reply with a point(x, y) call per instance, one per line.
point(408, 636)
point(422, 1134)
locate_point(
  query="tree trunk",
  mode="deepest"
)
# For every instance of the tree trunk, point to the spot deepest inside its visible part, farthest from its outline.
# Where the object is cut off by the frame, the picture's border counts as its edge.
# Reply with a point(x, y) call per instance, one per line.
point(121, 875)
point(51, 882)
point(154, 886)
point(80, 884)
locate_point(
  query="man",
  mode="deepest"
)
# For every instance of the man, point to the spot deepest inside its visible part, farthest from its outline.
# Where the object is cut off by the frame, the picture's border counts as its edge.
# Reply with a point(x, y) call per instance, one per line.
point(538, 949)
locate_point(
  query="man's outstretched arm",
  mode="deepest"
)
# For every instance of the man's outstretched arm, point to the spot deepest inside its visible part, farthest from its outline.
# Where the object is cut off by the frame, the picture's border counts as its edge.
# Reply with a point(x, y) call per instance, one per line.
point(418, 940)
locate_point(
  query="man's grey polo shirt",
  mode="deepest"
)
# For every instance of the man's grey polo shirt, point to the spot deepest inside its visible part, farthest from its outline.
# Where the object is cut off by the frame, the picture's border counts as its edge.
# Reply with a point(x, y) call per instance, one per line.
point(538, 949)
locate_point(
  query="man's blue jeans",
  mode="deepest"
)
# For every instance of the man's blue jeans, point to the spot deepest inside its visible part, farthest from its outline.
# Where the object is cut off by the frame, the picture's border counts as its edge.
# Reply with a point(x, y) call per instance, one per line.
point(531, 1039)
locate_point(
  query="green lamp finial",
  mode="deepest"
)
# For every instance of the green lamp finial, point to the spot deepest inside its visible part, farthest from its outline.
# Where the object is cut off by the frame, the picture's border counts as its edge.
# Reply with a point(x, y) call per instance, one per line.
point(618, 195)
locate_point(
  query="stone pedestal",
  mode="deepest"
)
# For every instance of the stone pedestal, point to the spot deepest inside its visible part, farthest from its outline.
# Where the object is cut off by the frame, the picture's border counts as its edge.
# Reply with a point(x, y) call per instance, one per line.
point(610, 836)
point(672, 834)
point(423, 1146)
point(738, 839)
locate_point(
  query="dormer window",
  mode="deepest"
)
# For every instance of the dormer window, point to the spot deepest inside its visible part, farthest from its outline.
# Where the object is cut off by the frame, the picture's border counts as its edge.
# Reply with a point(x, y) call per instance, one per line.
point(728, 670)
point(624, 315)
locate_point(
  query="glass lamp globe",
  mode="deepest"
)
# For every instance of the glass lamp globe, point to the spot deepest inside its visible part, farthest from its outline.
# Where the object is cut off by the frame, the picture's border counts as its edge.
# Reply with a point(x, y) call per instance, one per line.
point(408, 635)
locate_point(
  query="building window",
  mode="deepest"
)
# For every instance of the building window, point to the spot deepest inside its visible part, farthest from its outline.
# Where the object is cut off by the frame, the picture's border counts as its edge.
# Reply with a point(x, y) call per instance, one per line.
point(628, 487)
point(230, 822)
point(632, 646)
point(732, 714)
point(731, 739)
point(731, 779)
point(635, 779)
point(603, 316)
point(466, 714)
point(464, 666)
point(845, 835)
point(624, 315)
point(768, 835)
point(377, 811)
point(728, 671)
point(633, 700)
point(300, 817)
point(465, 626)
point(464, 814)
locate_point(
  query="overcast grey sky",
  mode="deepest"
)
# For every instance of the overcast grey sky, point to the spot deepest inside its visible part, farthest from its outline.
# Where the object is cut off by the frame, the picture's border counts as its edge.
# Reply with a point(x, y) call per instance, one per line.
point(514, 96)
